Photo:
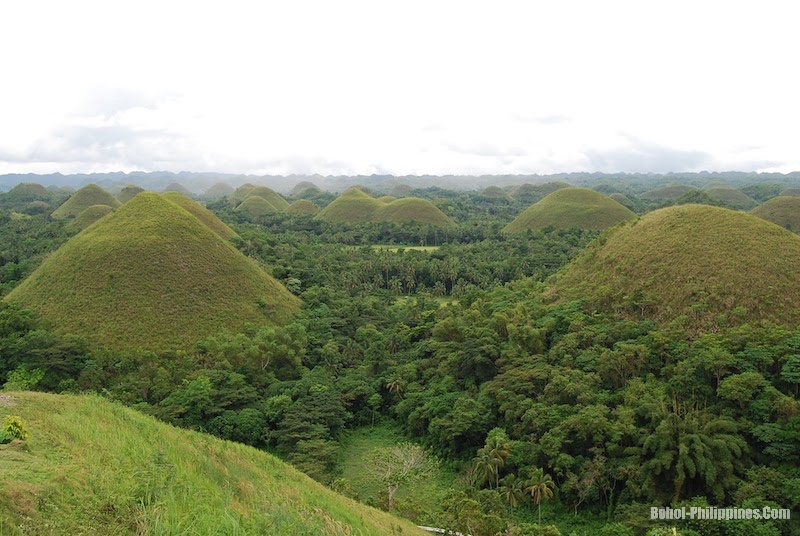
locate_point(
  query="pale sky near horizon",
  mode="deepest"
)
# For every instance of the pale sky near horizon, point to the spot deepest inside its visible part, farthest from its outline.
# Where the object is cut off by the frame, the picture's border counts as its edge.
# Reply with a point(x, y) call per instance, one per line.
point(412, 87)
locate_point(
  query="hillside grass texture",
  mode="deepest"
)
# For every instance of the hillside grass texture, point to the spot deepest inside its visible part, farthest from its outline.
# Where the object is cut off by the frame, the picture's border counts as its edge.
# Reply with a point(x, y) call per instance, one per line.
point(710, 266)
point(782, 210)
point(89, 216)
point(353, 206)
point(302, 206)
point(571, 207)
point(256, 206)
point(91, 466)
point(84, 198)
point(206, 217)
point(151, 275)
point(128, 193)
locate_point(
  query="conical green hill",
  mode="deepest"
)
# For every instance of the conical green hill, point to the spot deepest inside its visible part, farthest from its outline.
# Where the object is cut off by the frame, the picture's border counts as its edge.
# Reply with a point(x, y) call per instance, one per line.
point(93, 466)
point(84, 198)
point(410, 209)
point(712, 265)
point(28, 191)
point(571, 207)
point(531, 193)
point(218, 191)
point(151, 275)
point(732, 197)
point(275, 199)
point(129, 192)
point(387, 198)
point(89, 216)
point(782, 210)
point(302, 206)
point(494, 193)
point(256, 206)
point(201, 213)
point(667, 193)
point(301, 187)
point(353, 206)
point(179, 188)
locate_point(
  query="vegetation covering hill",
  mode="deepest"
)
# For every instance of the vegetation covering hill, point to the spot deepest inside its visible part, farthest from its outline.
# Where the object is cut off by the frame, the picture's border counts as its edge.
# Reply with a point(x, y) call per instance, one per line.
point(667, 193)
point(89, 216)
point(531, 193)
point(352, 206)
point(301, 187)
point(151, 275)
point(84, 198)
point(401, 190)
point(247, 190)
point(201, 213)
point(387, 198)
point(129, 192)
point(566, 208)
point(623, 200)
point(783, 210)
point(790, 192)
point(410, 209)
point(708, 264)
point(179, 188)
point(732, 197)
point(256, 206)
point(25, 192)
point(219, 190)
point(494, 193)
point(302, 206)
point(94, 466)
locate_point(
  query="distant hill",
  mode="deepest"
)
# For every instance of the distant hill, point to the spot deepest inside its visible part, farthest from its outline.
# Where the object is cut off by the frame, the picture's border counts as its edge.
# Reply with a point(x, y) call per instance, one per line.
point(151, 275)
point(353, 206)
point(219, 190)
point(401, 190)
point(494, 193)
point(709, 265)
point(782, 210)
point(89, 216)
point(302, 206)
point(301, 187)
point(179, 188)
point(412, 209)
point(732, 197)
point(571, 207)
point(256, 206)
point(92, 466)
point(208, 218)
point(623, 200)
point(794, 192)
point(667, 193)
point(25, 192)
point(530, 193)
point(246, 190)
point(84, 198)
point(129, 192)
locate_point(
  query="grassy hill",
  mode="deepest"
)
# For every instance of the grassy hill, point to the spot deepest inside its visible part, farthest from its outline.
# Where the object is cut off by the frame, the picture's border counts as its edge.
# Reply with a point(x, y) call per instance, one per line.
point(26, 192)
point(247, 190)
point(709, 264)
point(179, 188)
point(732, 197)
point(790, 192)
point(401, 190)
point(84, 198)
point(129, 192)
point(352, 206)
point(91, 466)
point(667, 193)
point(387, 198)
point(218, 191)
point(410, 209)
point(302, 206)
point(256, 206)
point(201, 213)
point(301, 187)
point(531, 193)
point(494, 193)
point(571, 207)
point(782, 210)
point(89, 216)
point(151, 275)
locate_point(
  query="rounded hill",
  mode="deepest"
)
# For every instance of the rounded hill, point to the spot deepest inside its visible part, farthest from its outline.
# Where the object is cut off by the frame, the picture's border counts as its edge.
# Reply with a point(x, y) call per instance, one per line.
point(84, 198)
point(709, 265)
point(353, 206)
point(412, 209)
point(732, 197)
point(129, 192)
point(179, 188)
point(151, 275)
point(302, 206)
point(27, 192)
point(494, 193)
point(247, 190)
point(667, 193)
point(256, 206)
point(218, 191)
point(783, 210)
point(531, 193)
point(571, 207)
point(301, 187)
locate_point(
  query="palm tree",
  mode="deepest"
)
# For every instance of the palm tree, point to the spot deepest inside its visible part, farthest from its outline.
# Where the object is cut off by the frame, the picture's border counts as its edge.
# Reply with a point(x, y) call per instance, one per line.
point(485, 467)
point(513, 490)
point(540, 486)
point(498, 449)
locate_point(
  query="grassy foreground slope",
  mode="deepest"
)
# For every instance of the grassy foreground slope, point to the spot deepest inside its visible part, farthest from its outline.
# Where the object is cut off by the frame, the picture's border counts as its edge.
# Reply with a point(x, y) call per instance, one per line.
point(571, 207)
point(208, 218)
point(151, 275)
point(92, 466)
point(709, 264)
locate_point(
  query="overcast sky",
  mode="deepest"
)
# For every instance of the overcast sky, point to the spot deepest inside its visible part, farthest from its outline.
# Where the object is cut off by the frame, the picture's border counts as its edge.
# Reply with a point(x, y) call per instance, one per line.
point(403, 87)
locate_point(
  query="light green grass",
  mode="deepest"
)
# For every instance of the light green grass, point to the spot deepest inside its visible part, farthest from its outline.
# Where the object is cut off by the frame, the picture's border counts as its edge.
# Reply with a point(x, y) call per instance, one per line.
point(129, 192)
point(782, 210)
point(732, 197)
point(92, 466)
point(256, 206)
point(700, 261)
point(667, 193)
point(571, 207)
point(415, 209)
point(419, 501)
point(246, 190)
point(208, 218)
point(302, 206)
point(151, 275)
point(353, 206)
point(89, 216)
point(84, 198)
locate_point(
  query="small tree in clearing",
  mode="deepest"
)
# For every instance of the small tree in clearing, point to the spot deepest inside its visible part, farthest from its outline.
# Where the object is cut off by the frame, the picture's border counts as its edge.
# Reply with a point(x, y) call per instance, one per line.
point(398, 465)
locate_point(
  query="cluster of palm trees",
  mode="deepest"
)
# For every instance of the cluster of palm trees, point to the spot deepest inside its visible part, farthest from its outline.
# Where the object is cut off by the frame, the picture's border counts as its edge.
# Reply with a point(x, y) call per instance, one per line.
point(514, 491)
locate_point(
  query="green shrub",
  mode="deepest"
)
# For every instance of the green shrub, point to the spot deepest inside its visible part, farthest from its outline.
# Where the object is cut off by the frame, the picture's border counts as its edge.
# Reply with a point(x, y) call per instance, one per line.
point(13, 428)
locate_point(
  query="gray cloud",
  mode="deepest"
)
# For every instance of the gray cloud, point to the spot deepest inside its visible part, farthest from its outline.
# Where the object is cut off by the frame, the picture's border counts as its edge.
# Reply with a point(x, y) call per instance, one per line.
point(645, 157)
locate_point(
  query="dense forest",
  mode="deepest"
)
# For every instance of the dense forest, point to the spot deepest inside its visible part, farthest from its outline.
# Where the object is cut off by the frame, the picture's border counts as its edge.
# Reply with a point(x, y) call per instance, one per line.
point(542, 416)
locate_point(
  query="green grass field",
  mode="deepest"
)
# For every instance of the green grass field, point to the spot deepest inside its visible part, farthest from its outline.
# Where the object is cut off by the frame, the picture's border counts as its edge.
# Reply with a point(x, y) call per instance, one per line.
point(91, 466)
